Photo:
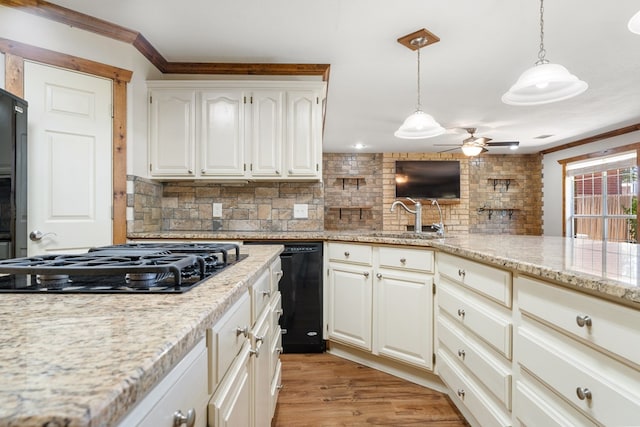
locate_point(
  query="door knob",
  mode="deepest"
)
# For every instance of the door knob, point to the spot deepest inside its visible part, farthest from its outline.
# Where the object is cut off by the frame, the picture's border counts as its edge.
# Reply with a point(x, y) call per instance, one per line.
point(37, 235)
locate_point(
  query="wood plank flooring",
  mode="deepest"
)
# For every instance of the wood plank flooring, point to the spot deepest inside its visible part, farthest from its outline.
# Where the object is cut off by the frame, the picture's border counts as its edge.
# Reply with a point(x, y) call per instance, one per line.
point(325, 390)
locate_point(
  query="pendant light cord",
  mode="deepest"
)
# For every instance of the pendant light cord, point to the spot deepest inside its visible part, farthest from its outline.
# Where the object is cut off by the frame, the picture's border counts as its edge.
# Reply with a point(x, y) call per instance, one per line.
point(419, 106)
point(542, 52)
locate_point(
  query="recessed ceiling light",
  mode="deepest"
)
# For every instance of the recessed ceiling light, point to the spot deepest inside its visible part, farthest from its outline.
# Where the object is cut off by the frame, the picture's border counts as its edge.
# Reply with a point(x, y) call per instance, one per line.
point(542, 136)
point(359, 146)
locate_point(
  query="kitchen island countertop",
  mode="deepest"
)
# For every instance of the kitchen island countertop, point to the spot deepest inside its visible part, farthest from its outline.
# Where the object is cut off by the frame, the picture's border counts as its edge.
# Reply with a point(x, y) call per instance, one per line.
point(606, 270)
point(80, 360)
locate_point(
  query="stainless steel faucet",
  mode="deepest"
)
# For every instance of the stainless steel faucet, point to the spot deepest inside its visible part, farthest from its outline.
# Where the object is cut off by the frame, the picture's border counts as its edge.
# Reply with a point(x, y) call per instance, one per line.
point(439, 226)
point(417, 212)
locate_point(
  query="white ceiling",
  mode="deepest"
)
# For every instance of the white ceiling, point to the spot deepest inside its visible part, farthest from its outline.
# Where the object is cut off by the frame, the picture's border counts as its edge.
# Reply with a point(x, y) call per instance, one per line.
point(485, 45)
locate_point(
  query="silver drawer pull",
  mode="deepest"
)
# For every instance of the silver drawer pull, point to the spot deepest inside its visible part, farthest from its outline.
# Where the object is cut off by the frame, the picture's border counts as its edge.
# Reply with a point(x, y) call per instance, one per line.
point(403, 260)
point(461, 353)
point(379, 275)
point(583, 320)
point(279, 312)
point(461, 312)
point(279, 386)
point(260, 339)
point(188, 420)
point(461, 273)
point(255, 352)
point(365, 274)
point(461, 393)
point(242, 331)
point(346, 254)
point(583, 393)
point(266, 293)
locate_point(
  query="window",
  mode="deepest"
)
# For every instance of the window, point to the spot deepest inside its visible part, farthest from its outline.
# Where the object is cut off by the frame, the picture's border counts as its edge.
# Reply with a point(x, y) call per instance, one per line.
point(601, 202)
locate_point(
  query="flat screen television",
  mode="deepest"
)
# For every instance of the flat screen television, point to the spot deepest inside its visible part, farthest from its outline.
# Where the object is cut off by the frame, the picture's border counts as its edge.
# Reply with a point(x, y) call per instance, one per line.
point(428, 179)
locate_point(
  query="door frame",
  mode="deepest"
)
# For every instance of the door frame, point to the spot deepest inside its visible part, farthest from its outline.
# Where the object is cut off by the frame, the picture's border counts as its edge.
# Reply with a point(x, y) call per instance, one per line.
point(15, 54)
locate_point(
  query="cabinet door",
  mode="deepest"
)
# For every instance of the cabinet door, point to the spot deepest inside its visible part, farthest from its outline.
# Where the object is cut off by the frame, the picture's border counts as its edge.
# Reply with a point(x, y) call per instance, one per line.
point(262, 373)
point(222, 133)
point(266, 133)
point(231, 404)
point(404, 317)
point(304, 145)
point(350, 305)
point(172, 132)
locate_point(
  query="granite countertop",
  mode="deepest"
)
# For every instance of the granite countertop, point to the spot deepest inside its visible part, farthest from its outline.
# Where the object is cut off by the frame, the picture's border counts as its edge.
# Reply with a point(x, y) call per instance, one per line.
point(85, 360)
point(606, 270)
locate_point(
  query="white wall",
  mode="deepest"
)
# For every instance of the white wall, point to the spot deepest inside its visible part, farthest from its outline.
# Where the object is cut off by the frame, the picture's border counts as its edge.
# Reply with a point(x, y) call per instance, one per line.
point(44, 33)
point(552, 177)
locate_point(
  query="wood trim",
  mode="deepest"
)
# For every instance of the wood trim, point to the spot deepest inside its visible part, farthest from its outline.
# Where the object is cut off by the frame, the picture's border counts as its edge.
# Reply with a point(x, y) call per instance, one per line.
point(62, 60)
point(98, 26)
point(599, 137)
point(14, 67)
point(602, 153)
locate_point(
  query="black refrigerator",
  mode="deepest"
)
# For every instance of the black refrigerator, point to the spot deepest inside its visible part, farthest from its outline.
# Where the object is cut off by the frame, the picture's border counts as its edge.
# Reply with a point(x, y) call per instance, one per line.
point(13, 176)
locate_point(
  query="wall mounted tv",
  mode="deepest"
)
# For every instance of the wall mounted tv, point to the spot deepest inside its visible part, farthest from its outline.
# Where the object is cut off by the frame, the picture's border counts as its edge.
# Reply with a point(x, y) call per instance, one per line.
point(428, 179)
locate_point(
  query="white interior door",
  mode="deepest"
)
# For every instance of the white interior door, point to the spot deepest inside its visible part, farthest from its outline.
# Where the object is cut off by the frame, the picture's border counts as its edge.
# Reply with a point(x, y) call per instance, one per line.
point(69, 178)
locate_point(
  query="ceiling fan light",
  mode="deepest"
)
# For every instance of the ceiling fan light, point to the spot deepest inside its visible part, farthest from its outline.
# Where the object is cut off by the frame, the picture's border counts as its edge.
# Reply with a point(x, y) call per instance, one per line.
point(634, 23)
point(419, 125)
point(471, 149)
point(542, 84)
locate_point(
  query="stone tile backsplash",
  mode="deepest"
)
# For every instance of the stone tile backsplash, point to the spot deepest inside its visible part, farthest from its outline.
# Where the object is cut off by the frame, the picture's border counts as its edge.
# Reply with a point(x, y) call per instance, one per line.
point(355, 195)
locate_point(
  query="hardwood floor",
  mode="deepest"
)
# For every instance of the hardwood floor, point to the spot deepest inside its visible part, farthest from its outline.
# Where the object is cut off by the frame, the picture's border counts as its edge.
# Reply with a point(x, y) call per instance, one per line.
point(325, 390)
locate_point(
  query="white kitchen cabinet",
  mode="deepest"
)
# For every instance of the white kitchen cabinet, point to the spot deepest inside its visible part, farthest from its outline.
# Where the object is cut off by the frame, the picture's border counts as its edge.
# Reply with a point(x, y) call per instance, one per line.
point(475, 337)
point(237, 130)
point(403, 315)
point(172, 132)
point(184, 389)
point(230, 406)
point(381, 301)
point(582, 349)
point(222, 133)
point(350, 304)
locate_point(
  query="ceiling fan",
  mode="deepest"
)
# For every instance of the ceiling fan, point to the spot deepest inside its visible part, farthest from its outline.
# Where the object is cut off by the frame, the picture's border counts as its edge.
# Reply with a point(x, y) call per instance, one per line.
point(474, 145)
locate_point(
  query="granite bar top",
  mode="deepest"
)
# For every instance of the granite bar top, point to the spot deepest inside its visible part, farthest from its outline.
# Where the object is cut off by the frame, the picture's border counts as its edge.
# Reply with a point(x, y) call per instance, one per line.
point(606, 270)
point(81, 360)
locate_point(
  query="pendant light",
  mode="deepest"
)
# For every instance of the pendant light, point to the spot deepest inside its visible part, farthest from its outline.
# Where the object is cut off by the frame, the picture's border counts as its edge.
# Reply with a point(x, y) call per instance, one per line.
point(634, 23)
point(471, 149)
point(419, 125)
point(544, 82)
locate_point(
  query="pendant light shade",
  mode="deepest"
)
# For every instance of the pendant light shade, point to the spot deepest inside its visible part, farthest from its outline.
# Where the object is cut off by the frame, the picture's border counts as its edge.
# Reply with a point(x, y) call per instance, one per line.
point(419, 125)
point(634, 23)
point(471, 149)
point(544, 82)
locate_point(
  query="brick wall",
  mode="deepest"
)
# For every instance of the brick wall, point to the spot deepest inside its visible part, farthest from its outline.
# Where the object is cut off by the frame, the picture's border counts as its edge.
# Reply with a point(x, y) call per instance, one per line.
point(352, 181)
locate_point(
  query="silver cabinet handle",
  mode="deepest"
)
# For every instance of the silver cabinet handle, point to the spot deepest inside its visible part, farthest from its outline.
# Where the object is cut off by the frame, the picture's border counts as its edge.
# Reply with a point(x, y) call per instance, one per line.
point(379, 275)
point(242, 331)
point(280, 386)
point(461, 312)
point(583, 393)
point(279, 312)
point(37, 235)
point(403, 260)
point(346, 254)
point(279, 350)
point(260, 339)
point(202, 171)
point(290, 172)
point(461, 273)
point(461, 392)
point(190, 171)
point(277, 172)
point(583, 320)
point(365, 274)
point(188, 420)
point(266, 293)
point(255, 352)
point(461, 353)
point(279, 274)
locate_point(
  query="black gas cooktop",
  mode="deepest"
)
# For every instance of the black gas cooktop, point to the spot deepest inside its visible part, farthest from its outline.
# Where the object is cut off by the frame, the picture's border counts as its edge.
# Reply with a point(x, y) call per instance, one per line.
point(141, 268)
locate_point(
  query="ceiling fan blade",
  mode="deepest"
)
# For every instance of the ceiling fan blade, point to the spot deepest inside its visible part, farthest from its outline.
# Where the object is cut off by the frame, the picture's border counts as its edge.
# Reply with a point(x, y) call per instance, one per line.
point(482, 140)
point(447, 145)
point(504, 144)
point(450, 149)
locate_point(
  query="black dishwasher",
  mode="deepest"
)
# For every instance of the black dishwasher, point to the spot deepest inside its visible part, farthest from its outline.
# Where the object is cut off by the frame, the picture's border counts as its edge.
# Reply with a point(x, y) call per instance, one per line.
point(301, 290)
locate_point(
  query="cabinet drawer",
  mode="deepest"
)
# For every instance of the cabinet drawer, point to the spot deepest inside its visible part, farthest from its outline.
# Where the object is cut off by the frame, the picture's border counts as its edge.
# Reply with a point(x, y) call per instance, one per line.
point(352, 253)
point(536, 405)
point(480, 317)
point(466, 392)
point(184, 388)
point(610, 326)
point(406, 259)
point(493, 374)
point(276, 348)
point(276, 385)
point(488, 281)
point(570, 369)
point(260, 295)
point(275, 311)
point(227, 337)
point(276, 275)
